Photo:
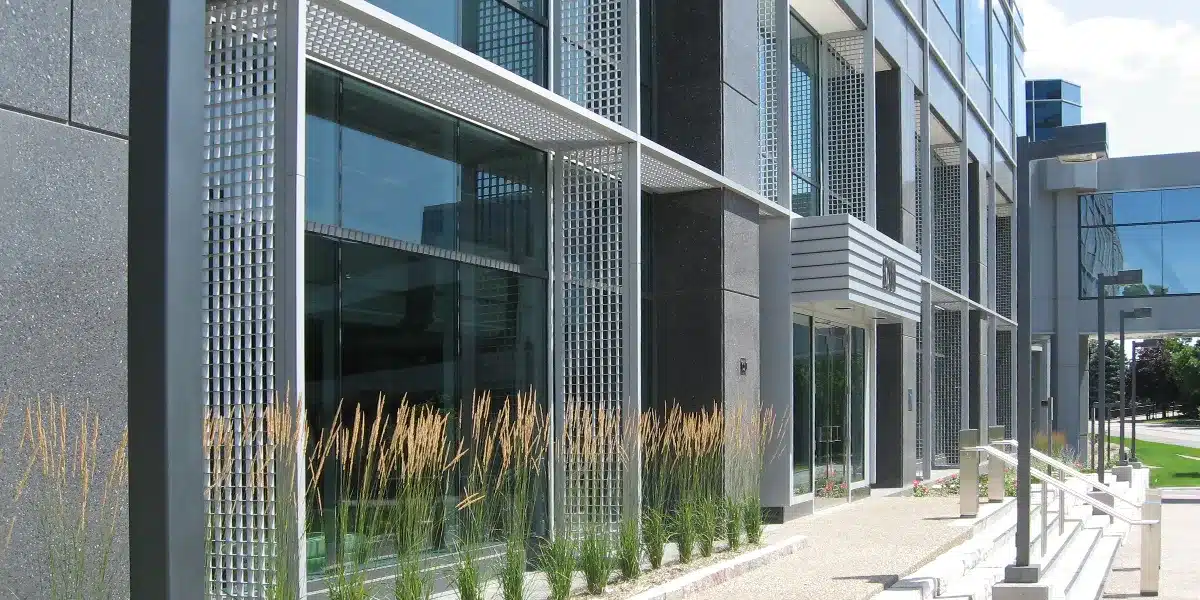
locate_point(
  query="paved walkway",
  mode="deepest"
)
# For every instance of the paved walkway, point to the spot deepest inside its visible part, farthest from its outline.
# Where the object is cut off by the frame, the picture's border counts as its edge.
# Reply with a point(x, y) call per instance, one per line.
point(1180, 556)
point(1181, 434)
point(854, 551)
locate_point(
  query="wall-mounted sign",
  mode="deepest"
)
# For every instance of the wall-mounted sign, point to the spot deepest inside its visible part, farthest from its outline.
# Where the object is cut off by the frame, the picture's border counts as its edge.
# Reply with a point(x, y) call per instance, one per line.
point(889, 274)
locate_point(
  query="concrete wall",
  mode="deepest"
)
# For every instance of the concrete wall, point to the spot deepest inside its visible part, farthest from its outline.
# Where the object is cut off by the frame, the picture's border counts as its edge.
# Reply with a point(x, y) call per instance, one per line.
point(63, 121)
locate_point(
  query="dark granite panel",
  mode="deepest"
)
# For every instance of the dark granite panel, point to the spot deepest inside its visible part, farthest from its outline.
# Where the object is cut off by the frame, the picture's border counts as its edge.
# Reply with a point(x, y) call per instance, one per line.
point(740, 245)
point(35, 55)
point(62, 299)
point(688, 330)
point(688, 44)
point(686, 241)
point(100, 65)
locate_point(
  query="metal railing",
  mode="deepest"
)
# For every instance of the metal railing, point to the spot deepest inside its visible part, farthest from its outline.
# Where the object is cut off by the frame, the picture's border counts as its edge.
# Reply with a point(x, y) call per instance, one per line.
point(1150, 511)
point(1067, 470)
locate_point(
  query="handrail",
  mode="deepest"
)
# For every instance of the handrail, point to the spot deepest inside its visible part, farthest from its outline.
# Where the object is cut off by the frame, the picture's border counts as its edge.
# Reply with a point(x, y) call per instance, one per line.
point(1061, 466)
point(1062, 487)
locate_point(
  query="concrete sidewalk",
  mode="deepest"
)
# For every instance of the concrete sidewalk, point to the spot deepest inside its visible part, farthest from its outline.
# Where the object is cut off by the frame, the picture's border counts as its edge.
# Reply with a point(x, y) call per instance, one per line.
point(854, 551)
point(1180, 576)
point(1179, 434)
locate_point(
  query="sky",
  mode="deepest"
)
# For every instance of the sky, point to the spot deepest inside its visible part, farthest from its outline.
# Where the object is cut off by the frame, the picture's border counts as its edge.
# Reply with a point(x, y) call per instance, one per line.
point(1135, 60)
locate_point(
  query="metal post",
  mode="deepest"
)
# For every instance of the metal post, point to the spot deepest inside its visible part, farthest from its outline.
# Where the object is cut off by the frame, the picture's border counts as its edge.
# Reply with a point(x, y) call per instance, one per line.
point(166, 465)
point(1043, 509)
point(1102, 404)
point(1121, 458)
point(968, 473)
point(1151, 562)
point(996, 466)
point(1133, 396)
point(1022, 570)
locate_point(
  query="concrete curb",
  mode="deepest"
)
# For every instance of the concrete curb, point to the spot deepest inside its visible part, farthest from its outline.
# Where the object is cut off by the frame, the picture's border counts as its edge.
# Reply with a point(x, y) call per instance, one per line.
point(713, 575)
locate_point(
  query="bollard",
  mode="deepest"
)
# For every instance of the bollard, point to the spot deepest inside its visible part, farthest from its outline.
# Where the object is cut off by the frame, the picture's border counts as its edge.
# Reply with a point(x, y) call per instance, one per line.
point(1151, 542)
point(996, 466)
point(968, 473)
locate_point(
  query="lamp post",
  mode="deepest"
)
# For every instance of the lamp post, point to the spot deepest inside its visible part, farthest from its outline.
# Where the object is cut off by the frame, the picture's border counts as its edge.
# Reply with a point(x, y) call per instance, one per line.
point(1143, 312)
point(1129, 277)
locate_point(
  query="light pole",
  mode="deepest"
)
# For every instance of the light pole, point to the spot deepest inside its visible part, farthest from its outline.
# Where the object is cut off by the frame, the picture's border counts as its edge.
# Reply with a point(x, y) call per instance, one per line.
point(1133, 424)
point(1143, 312)
point(1129, 277)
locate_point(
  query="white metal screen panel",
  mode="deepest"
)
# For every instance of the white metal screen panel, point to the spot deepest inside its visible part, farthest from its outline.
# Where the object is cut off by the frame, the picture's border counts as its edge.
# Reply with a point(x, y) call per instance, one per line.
point(920, 394)
point(768, 99)
point(239, 320)
point(590, 61)
point(946, 218)
point(948, 389)
point(1004, 266)
point(591, 329)
point(845, 125)
point(920, 181)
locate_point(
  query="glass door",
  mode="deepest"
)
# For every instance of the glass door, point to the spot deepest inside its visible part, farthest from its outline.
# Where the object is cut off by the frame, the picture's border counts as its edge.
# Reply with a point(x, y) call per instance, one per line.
point(802, 404)
point(831, 345)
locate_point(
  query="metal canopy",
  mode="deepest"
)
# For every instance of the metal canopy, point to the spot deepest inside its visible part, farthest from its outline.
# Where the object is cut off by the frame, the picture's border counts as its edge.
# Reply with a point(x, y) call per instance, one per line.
point(941, 296)
point(372, 44)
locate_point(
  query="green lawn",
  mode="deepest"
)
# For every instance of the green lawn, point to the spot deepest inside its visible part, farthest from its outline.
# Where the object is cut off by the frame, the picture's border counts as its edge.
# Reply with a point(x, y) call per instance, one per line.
point(1173, 469)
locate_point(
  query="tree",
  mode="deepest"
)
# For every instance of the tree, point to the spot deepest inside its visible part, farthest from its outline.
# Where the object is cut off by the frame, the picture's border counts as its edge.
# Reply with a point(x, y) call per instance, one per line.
point(1155, 384)
point(1114, 362)
point(1185, 371)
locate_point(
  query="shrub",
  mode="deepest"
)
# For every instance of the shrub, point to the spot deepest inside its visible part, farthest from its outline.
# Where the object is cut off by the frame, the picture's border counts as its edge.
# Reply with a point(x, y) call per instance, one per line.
point(629, 550)
point(557, 560)
point(733, 523)
point(708, 521)
point(595, 559)
point(753, 517)
point(683, 530)
point(654, 535)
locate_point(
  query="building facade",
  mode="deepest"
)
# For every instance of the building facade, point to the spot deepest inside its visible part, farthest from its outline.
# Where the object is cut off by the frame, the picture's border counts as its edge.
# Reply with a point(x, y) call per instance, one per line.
point(1098, 216)
point(800, 205)
point(1050, 104)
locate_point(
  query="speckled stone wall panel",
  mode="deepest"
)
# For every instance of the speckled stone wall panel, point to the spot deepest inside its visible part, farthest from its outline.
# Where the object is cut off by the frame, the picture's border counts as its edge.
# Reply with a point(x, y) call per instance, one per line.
point(739, 224)
point(739, 45)
point(687, 337)
point(741, 325)
point(687, 38)
point(35, 51)
point(62, 300)
point(100, 65)
point(686, 241)
point(739, 138)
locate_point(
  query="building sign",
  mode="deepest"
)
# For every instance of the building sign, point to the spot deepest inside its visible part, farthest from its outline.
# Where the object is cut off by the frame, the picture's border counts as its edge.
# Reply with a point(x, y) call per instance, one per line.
point(889, 274)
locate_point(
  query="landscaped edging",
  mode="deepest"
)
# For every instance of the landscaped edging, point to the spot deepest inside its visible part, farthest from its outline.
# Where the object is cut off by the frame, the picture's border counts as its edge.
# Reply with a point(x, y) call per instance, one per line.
point(719, 573)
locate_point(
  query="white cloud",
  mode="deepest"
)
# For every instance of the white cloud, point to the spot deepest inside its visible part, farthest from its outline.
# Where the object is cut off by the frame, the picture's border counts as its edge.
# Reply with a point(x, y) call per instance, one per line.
point(1138, 75)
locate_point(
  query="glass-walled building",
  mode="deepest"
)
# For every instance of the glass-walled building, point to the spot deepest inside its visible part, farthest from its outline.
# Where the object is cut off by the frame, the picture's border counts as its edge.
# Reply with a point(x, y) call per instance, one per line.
point(431, 201)
point(1050, 104)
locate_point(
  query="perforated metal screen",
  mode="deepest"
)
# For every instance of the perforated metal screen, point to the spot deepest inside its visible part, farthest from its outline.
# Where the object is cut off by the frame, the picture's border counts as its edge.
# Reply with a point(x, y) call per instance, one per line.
point(948, 389)
point(846, 125)
point(920, 181)
point(1004, 266)
point(1005, 409)
point(590, 62)
point(946, 217)
point(768, 99)
point(920, 395)
point(239, 209)
point(590, 330)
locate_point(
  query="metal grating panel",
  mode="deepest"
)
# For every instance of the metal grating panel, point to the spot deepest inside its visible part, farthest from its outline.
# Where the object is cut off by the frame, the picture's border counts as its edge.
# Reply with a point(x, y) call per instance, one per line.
point(920, 199)
point(946, 218)
point(239, 324)
point(351, 41)
point(509, 39)
point(590, 60)
point(846, 126)
point(948, 389)
point(590, 330)
point(768, 100)
point(1005, 409)
point(1004, 266)
point(920, 395)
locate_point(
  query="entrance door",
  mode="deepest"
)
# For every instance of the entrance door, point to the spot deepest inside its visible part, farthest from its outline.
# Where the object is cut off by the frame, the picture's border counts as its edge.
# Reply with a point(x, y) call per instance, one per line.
point(831, 344)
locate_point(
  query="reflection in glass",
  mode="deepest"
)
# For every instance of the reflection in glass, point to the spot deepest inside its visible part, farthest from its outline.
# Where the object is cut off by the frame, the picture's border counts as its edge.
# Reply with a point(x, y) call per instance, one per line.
point(858, 403)
point(1001, 64)
point(976, 20)
point(1071, 92)
point(1181, 204)
point(805, 125)
point(1047, 114)
point(1047, 89)
point(829, 347)
point(806, 202)
point(802, 403)
point(949, 10)
point(1180, 267)
point(1107, 250)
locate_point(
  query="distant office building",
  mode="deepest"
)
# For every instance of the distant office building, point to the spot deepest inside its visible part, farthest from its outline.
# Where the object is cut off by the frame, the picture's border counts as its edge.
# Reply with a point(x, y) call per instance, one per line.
point(1050, 104)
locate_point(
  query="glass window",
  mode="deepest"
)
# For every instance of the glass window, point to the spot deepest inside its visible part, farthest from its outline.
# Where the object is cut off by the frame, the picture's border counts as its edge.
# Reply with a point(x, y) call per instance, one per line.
point(1180, 269)
point(510, 33)
point(802, 401)
point(1071, 93)
point(1107, 250)
point(384, 165)
point(1047, 115)
point(976, 12)
point(1120, 208)
point(803, 112)
point(1071, 114)
point(1181, 204)
point(858, 404)
point(1049, 89)
point(1001, 64)
point(949, 9)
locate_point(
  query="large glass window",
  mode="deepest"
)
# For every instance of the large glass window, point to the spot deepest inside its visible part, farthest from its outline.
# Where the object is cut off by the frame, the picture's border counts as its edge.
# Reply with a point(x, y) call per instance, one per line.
point(949, 10)
point(858, 404)
point(384, 165)
point(510, 33)
point(425, 270)
point(976, 13)
point(802, 403)
point(804, 78)
point(1157, 231)
point(1001, 62)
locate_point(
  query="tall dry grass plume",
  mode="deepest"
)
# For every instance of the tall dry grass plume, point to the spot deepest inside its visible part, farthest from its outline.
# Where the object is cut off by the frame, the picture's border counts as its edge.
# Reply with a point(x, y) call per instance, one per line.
point(74, 483)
